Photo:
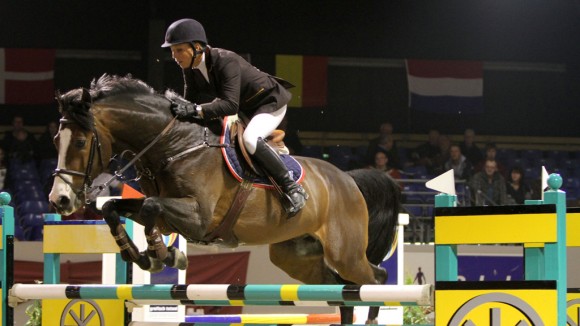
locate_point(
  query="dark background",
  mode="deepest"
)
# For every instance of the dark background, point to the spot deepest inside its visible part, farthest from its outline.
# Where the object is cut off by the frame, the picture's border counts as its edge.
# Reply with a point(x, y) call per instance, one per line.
point(517, 101)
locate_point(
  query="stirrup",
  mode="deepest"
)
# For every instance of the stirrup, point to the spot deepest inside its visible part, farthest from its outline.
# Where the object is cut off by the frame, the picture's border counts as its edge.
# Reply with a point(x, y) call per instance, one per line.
point(292, 208)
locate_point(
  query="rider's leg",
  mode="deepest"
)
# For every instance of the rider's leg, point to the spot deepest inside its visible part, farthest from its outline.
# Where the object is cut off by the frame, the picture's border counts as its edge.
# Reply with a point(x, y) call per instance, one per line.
point(259, 128)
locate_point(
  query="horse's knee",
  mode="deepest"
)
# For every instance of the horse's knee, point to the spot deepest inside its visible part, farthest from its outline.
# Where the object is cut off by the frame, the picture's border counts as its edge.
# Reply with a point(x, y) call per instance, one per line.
point(110, 215)
point(150, 208)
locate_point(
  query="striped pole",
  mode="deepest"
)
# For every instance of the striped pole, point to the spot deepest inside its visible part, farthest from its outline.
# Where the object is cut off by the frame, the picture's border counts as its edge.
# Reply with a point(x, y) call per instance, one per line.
point(266, 319)
point(389, 295)
point(241, 303)
point(150, 323)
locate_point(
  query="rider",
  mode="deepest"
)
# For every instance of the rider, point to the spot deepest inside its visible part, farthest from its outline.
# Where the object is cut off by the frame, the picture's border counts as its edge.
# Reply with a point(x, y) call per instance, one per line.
point(222, 83)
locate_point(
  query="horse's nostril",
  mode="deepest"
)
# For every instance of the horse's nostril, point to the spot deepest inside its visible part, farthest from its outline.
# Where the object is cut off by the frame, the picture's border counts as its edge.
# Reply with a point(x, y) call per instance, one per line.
point(63, 201)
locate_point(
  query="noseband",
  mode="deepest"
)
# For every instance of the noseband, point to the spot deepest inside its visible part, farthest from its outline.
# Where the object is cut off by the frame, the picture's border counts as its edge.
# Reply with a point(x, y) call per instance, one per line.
point(88, 180)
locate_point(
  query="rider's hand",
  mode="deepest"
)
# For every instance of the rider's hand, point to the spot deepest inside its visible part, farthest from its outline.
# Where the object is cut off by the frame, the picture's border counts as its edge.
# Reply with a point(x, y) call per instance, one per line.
point(185, 111)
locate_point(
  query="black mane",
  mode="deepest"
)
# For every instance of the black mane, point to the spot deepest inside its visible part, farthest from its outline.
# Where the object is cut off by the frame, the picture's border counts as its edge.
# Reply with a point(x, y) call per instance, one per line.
point(108, 85)
point(76, 104)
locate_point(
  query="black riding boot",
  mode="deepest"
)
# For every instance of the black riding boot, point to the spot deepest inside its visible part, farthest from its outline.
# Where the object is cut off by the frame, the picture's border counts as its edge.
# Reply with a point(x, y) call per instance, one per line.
point(271, 162)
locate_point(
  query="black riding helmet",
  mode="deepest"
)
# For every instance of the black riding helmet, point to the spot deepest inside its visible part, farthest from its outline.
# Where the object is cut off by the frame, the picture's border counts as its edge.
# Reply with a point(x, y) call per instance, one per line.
point(184, 31)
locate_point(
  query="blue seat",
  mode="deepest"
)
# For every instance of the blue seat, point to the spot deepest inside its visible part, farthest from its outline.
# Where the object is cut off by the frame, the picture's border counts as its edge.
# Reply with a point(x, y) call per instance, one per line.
point(31, 219)
point(533, 172)
point(519, 161)
point(549, 163)
point(340, 156)
point(558, 156)
point(30, 194)
point(32, 206)
point(506, 155)
point(313, 151)
point(532, 154)
point(416, 172)
point(46, 168)
point(413, 210)
point(20, 173)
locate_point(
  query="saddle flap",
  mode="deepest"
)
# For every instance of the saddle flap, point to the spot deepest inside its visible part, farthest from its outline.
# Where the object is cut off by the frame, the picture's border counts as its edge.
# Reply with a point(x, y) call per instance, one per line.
point(274, 140)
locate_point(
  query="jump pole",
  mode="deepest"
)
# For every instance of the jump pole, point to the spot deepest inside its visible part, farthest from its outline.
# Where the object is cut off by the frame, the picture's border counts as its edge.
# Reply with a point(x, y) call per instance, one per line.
point(387, 294)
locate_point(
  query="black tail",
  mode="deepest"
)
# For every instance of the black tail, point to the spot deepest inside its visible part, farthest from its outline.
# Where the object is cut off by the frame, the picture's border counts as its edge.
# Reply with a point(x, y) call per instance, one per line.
point(383, 198)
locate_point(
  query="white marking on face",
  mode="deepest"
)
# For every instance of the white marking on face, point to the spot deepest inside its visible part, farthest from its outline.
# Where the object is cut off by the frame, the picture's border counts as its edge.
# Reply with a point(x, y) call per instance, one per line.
point(60, 187)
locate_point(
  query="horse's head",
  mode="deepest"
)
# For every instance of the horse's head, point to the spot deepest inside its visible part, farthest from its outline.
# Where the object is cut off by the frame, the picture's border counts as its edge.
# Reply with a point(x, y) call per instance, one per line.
point(81, 157)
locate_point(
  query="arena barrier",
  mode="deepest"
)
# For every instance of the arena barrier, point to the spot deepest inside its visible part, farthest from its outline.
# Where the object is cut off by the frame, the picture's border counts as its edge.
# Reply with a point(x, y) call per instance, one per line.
point(539, 225)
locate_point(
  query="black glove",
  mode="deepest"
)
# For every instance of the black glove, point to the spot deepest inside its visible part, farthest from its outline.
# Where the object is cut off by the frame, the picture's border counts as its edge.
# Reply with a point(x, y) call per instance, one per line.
point(185, 111)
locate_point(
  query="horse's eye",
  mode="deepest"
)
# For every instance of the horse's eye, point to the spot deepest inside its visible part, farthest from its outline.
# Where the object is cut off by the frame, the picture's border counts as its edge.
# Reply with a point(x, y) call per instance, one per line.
point(80, 143)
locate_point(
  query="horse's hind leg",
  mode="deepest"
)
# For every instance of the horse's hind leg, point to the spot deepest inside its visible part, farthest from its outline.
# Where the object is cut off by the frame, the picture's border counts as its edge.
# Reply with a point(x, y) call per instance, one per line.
point(303, 260)
point(112, 210)
point(156, 248)
point(151, 210)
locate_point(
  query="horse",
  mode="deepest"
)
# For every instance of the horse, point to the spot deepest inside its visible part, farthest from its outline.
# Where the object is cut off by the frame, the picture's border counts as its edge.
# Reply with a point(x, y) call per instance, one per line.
point(345, 230)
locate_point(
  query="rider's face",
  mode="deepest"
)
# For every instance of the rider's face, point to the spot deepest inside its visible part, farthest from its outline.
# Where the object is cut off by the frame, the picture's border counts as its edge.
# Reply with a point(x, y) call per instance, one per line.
point(182, 54)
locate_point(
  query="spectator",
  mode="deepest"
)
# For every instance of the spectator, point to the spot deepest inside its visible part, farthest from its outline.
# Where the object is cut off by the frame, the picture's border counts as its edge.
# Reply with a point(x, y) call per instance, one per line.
point(462, 168)
point(489, 186)
point(426, 153)
point(490, 154)
point(46, 148)
point(443, 155)
point(518, 191)
point(470, 149)
point(382, 164)
point(22, 147)
point(385, 132)
point(11, 135)
point(386, 144)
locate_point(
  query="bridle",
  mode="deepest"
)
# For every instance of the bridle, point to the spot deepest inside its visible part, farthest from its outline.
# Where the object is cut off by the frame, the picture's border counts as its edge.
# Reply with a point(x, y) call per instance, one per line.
point(87, 187)
point(87, 179)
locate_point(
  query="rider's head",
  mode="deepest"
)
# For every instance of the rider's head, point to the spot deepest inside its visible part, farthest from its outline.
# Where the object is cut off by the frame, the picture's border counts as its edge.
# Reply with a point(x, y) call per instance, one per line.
point(187, 39)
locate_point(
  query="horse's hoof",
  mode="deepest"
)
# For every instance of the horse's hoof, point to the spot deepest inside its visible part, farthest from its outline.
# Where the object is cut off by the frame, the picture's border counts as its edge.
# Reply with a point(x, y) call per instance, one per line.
point(156, 266)
point(179, 259)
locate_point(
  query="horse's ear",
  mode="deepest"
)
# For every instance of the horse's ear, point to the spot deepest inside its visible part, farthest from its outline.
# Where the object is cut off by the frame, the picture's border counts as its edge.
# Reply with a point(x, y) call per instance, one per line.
point(86, 96)
point(57, 97)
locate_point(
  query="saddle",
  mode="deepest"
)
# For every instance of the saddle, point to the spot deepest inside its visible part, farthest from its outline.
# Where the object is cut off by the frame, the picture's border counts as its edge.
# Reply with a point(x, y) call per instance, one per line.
point(275, 140)
point(223, 234)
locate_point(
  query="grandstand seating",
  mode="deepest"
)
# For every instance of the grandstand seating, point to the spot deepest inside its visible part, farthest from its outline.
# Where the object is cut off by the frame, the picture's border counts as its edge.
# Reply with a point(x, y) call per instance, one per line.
point(28, 179)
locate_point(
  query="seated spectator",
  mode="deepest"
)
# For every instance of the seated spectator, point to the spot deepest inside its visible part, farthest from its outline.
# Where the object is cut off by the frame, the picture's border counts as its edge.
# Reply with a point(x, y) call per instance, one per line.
point(462, 168)
point(518, 191)
point(385, 144)
point(470, 149)
point(426, 153)
point(11, 135)
point(488, 187)
point(45, 145)
point(490, 154)
point(382, 164)
point(443, 155)
point(22, 147)
point(385, 132)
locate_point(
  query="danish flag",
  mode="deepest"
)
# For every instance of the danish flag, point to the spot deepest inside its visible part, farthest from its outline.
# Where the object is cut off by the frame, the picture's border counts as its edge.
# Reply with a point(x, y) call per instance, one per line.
point(26, 76)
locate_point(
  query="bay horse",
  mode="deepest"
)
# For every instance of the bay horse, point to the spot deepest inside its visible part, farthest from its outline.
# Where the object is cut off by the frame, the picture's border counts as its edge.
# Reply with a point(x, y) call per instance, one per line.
point(345, 230)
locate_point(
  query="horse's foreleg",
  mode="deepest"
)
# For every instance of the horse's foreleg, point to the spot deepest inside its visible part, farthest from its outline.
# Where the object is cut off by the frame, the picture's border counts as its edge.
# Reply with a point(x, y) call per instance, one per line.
point(128, 249)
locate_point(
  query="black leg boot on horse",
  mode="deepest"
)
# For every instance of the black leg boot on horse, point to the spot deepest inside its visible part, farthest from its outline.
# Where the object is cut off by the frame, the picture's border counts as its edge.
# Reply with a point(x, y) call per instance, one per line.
point(271, 162)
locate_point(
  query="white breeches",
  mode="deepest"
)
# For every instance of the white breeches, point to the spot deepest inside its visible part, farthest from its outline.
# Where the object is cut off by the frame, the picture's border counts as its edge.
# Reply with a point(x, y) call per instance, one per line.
point(262, 126)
